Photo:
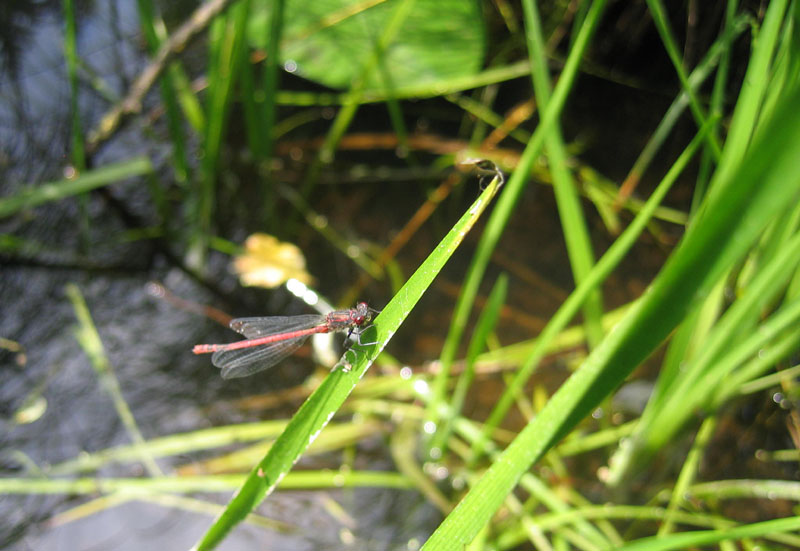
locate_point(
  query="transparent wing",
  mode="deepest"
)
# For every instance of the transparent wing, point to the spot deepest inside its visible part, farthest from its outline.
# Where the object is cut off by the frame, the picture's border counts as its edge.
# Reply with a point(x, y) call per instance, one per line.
point(246, 361)
point(252, 328)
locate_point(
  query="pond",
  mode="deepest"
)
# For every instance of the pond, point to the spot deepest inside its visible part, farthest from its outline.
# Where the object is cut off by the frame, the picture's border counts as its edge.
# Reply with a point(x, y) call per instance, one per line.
point(140, 227)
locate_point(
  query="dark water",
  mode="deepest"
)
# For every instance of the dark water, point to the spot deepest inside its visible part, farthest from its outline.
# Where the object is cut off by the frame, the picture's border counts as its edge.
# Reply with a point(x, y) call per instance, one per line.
point(148, 341)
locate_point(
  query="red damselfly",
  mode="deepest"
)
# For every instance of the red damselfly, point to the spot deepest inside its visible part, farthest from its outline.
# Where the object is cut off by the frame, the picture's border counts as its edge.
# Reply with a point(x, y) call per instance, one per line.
point(271, 339)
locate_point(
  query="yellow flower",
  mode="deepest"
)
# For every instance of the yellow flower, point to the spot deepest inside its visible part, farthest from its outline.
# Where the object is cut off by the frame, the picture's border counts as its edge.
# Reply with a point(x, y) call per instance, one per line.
point(268, 262)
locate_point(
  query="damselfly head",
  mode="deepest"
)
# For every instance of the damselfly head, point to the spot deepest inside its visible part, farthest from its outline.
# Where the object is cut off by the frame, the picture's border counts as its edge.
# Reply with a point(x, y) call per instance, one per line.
point(361, 314)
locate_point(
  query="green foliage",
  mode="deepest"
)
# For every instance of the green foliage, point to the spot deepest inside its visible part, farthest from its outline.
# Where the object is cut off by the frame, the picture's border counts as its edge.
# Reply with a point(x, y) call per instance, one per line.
point(331, 40)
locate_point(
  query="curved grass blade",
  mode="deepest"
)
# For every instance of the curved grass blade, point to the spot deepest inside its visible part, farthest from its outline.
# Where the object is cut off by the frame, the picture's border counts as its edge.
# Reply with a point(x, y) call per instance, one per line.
point(61, 189)
point(89, 339)
point(320, 407)
point(687, 540)
point(486, 324)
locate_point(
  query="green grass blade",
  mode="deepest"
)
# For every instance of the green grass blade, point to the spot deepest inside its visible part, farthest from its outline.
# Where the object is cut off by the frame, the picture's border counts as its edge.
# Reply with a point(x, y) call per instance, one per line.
point(741, 380)
point(61, 189)
point(77, 152)
point(320, 407)
point(259, 103)
point(705, 381)
point(226, 56)
point(179, 84)
point(485, 325)
point(205, 484)
point(731, 340)
point(755, 85)
point(704, 339)
point(337, 435)
point(687, 540)
point(151, 27)
point(354, 97)
point(77, 156)
point(576, 232)
point(601, 271)
point(768, 180)
point(271, 76)
point(717, 102)
point(89, 339)
point(548, 496)
point(689, 471)
point(716, 53)
point(746, 488)
point(175, 444)
point(661, 21)
point(505, 206)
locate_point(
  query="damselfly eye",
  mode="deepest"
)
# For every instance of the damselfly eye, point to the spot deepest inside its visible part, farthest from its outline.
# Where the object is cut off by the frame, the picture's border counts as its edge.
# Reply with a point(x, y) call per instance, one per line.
point(360, 313)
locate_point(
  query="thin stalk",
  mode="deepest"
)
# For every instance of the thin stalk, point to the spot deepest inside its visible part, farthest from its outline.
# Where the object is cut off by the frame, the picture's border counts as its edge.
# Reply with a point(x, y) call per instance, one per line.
point(576, 232)
point(89, 339)
point(267, 112)
point(77, 154)
point(717, 101)
point(354, 97)
point(227, 47)
point(662, 25)
point(505, 206)
point(601, 270)
point(155, 35)
point(688, 474)
point(485, 325)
